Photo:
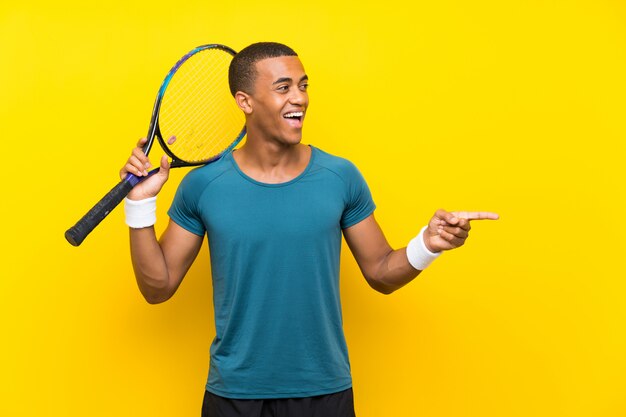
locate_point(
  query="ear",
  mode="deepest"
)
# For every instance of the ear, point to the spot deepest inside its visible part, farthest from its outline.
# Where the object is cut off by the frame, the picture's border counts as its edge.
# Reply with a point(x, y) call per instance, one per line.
point(244, 101)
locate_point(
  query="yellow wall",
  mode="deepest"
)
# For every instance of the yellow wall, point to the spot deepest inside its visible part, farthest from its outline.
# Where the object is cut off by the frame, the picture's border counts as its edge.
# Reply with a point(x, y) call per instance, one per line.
point(511, 106)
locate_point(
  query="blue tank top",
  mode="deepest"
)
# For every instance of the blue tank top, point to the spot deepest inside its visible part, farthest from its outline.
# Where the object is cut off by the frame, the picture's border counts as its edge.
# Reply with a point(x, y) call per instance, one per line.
point(275, 252)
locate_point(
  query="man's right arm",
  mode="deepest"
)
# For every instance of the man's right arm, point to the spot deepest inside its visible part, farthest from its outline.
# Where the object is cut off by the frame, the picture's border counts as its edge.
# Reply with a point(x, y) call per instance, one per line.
point(159, 265)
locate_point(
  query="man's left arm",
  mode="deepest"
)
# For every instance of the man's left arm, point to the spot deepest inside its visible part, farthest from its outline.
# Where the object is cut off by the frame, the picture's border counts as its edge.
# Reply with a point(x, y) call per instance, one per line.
point(386, 269)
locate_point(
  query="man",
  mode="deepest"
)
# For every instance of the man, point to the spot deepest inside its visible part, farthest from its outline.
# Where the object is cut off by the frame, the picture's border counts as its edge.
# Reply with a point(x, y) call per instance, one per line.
point(274, 212)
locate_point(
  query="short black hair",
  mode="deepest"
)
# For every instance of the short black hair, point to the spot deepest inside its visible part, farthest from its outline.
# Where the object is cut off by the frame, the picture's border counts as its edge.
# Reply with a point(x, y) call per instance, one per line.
point(242, 70)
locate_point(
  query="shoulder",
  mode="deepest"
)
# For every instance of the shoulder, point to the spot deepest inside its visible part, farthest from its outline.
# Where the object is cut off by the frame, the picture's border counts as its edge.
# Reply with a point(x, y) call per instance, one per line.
point(338, 165)
point(198, 179)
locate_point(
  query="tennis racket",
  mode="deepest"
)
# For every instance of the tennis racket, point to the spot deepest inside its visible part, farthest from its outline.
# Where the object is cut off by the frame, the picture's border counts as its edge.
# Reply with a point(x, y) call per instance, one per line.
point(195, 120)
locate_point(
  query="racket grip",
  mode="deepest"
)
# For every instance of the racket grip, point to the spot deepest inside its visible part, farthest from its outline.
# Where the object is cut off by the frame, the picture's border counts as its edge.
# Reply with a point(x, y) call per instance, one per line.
point(77, 233)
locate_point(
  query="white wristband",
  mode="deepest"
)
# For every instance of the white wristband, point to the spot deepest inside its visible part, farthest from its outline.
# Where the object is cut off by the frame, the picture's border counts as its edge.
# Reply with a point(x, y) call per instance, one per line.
point(140, 213)
point(418, 254)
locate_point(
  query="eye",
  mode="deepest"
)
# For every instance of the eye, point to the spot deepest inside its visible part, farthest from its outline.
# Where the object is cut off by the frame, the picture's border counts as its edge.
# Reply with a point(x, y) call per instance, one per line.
point(282, 88)
point(304, 86)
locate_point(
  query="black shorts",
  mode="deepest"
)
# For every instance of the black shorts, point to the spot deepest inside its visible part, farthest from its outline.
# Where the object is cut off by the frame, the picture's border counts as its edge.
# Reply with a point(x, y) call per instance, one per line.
point(340, 404)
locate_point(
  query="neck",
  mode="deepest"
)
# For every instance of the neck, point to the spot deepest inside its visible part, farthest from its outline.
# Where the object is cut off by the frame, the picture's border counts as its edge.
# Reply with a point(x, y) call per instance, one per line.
point(270, 154)
point(272, 162)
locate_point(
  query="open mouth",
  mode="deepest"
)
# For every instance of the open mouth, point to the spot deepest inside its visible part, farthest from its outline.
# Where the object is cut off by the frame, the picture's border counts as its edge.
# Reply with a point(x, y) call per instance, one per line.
point(294, 115)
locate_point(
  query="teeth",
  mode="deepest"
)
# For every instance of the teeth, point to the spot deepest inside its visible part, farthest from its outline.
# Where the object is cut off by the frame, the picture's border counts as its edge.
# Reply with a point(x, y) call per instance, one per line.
point(295, 114)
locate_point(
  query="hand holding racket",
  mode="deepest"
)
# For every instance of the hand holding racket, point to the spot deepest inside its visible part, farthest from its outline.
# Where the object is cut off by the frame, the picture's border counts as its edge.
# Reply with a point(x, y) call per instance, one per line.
point(139, 165)
point(194, 119)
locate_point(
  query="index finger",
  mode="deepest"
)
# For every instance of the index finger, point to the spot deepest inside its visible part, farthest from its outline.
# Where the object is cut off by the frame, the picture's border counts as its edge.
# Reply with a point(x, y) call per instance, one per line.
point(142, 142)
point(476, 215)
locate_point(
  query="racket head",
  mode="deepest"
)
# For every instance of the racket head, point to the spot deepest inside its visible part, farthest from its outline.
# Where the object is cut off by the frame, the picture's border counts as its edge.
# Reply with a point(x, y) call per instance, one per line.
point(196, 119)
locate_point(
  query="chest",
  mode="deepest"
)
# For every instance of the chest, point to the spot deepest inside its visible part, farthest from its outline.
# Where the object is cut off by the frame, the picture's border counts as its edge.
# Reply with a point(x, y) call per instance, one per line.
point(295, 212)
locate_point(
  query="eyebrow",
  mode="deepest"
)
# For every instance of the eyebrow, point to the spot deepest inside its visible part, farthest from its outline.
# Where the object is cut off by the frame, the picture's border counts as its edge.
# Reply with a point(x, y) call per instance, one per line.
point(289, 80)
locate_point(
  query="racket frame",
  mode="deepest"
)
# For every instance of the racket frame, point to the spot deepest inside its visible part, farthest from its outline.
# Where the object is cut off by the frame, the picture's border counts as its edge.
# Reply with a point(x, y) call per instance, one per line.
point(154, 130)
point(77, 233)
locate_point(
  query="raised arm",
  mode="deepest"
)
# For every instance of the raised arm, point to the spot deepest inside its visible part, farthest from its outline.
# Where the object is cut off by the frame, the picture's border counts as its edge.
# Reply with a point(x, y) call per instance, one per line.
point(386, 269)
point(159, 265)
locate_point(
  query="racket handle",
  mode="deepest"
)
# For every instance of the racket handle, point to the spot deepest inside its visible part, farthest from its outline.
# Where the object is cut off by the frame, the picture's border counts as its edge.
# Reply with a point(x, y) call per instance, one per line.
point(77, 233)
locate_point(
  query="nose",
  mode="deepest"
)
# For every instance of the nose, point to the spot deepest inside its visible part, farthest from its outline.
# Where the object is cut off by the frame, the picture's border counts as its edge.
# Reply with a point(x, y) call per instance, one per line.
point(299, 97)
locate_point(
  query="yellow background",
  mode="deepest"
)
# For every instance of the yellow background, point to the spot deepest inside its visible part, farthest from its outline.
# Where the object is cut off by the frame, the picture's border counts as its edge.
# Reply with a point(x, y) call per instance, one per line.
point(511, 106)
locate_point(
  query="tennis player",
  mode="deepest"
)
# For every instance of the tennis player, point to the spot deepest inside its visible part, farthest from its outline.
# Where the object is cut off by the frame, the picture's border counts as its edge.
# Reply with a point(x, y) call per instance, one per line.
point(274, 212)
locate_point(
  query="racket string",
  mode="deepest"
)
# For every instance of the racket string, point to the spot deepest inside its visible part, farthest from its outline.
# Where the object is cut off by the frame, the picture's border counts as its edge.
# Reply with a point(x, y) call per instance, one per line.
point(197, 115)
point(198, 109)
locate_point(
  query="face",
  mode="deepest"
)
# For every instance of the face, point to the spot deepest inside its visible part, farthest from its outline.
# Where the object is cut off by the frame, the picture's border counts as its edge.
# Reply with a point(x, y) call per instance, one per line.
point(278, 104)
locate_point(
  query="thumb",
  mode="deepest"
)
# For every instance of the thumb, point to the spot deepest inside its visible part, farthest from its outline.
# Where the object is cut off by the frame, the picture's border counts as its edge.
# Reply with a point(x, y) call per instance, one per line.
point(443, 216)
point(164, 168)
